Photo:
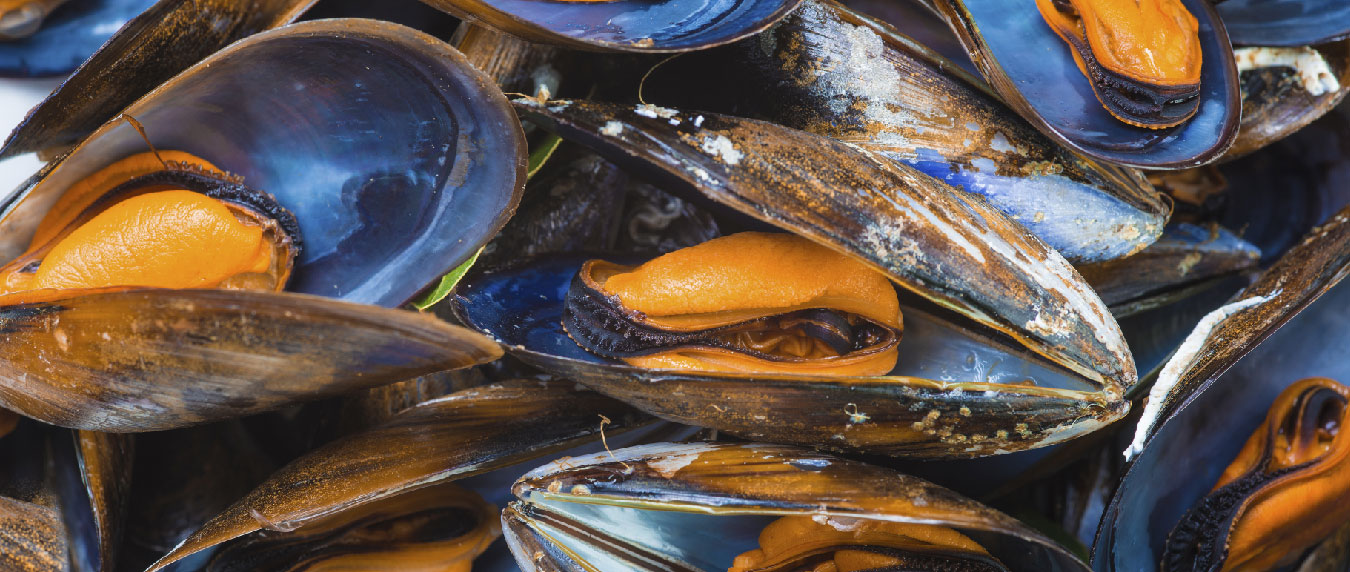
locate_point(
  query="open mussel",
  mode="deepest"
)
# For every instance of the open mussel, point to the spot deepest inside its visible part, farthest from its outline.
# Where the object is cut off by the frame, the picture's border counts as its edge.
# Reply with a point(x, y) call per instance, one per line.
point(1143, 59)
point(711, 507)
point(1218, 389)
point(391, 182)
point(1033, 69)
point(623, 25)
point(994, 320)
point(1279, 496)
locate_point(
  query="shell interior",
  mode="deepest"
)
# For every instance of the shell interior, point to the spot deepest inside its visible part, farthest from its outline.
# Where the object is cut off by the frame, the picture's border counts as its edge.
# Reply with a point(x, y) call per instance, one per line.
point(1204, 437)
point(1033, 69)
point(522, 308)
point(1285, 22)
point(393, 156)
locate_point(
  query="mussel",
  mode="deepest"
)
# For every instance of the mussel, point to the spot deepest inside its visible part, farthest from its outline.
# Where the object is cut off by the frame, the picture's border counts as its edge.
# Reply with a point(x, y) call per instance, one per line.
point(989, 307)
point(1286, 88)
point(750, 302)
point(1219, 388)
point(440, 528)
point(22, 18)
point(623, 25)
point(392, 181)
point(709, 507)
point(1142, 58)
point(1280, 495)
point(1027, 63)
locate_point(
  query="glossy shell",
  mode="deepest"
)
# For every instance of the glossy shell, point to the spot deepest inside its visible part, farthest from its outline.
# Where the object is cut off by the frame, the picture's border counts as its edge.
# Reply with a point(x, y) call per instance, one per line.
point(67, 36)
point(394, 180)
point(984, 263)
point(162, 41)
point(1033, 70)
point(624, 25)
point(694, 506)
point(1202, 422)
point(1285, 22)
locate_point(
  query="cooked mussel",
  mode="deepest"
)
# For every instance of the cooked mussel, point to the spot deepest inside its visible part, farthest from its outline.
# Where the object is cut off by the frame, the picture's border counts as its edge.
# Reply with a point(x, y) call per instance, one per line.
point(1280, 495)
point(1027, 63)
point(440, 528)
point(750, 302)
point(1286, 88)
point(1219, 388)
point(1143, 59)
point(990, 307)
point(705, 507)
point(385, 202)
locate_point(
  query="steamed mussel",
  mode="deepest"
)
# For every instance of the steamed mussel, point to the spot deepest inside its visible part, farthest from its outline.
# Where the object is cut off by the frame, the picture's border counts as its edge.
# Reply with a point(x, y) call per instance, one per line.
point(849, 545)
point(751, 302)
point(1282, 494)
point(1142, 58)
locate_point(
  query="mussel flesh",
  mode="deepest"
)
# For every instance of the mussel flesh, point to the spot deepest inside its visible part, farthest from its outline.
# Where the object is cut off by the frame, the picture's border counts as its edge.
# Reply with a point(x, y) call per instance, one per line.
point(146, 221)
point(1142, 58)
point(753, 302)
point(840, 544)
point(1280, 496)
point(440, 528)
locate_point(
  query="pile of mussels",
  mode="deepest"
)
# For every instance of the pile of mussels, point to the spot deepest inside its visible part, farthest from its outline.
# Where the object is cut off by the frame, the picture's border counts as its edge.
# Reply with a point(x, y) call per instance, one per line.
point(678, 285)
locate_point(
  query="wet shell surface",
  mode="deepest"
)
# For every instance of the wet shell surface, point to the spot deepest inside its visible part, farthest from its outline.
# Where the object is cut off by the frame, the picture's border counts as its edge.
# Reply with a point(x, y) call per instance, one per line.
point(1035, 72)
point(441, 138)
point(695, 506)
point(624, 25)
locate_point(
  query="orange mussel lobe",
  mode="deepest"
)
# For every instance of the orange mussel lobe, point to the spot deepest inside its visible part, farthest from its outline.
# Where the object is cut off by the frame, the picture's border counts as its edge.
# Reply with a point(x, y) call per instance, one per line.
point(1283, 493)
point(834, 544)
point(1142, 57)
point(751, 302)
point(131, 225)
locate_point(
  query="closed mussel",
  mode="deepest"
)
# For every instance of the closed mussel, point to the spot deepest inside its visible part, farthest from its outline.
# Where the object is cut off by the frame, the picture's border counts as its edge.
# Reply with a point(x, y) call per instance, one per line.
point(990, 319)
point(388, 183)
point(833, 71)
point(712, 507)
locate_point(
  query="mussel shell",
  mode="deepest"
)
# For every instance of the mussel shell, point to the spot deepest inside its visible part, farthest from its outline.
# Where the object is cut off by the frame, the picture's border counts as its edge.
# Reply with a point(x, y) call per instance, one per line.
point(943, 244)
point(522, 309)
point(940, 243)
point(1285, 22)
point(624, 25)
point(1312, 167)
point(448, 438)
point(67, 37)
point(1275, 104)
point(397, 158)
point(161, 42)
point(1185, 255)
point(1034, 71)
point(1225, 391)
point(691, 504)
point(831, 71)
